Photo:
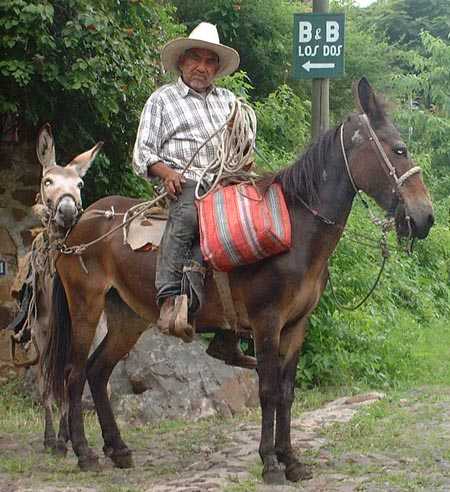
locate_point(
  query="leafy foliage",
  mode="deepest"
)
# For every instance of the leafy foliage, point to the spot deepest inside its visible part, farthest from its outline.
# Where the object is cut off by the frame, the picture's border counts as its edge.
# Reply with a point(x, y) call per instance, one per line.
point(403, 20)
point(368, 53)
point(426, 119)
point(86, 68)
point(283, 123)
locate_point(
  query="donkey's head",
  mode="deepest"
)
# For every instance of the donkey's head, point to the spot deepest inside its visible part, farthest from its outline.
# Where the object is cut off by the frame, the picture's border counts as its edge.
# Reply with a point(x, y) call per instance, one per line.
point(60, 192)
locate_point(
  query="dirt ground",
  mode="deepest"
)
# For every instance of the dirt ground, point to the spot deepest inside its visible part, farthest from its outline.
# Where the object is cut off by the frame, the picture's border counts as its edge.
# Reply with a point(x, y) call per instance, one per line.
point(224, 457)
point(230, 458)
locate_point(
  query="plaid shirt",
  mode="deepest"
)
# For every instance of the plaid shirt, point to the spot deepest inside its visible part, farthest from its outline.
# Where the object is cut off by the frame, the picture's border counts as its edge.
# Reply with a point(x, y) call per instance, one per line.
point(175, 122)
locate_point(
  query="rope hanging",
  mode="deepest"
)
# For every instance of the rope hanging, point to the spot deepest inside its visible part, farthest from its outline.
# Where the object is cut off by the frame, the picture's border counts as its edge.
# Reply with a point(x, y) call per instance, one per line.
point(236, 145)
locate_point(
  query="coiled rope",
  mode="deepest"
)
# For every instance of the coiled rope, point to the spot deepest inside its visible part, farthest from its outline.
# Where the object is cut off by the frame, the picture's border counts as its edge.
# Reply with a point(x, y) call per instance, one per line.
point(237, 142)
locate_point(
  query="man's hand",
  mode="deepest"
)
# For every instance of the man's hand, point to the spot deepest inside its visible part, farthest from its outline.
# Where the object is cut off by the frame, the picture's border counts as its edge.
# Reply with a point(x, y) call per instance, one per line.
point(173, 181)
point(173, 184)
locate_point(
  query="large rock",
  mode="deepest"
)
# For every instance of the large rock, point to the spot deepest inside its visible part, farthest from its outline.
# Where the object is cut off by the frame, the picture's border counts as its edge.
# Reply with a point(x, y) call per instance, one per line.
point(164, 378)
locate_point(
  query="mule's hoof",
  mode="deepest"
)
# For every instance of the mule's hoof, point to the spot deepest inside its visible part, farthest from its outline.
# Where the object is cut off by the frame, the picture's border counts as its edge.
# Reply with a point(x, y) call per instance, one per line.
point(60, 450)
point(296, 471)
point(273, 476)
point(89, 463)
point(49, 444)
point(123, 458)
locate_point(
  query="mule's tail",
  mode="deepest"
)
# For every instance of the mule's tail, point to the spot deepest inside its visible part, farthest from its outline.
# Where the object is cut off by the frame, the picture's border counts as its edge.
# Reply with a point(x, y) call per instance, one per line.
point(56, 355)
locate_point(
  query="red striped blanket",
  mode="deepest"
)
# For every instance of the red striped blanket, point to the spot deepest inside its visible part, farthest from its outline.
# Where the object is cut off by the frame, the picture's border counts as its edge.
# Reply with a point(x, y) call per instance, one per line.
point(238, 225)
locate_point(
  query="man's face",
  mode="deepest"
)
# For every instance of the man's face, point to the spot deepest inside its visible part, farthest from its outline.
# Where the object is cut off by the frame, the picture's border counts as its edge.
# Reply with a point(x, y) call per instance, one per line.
point(198, 68)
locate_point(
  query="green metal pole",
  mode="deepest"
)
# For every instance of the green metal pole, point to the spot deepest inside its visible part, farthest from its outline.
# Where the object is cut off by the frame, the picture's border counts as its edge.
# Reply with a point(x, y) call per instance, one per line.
point(320, 117)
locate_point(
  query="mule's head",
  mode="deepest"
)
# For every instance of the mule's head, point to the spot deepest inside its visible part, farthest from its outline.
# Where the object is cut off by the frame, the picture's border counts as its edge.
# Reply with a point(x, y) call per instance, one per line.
point(61, 186)
point(381, 166)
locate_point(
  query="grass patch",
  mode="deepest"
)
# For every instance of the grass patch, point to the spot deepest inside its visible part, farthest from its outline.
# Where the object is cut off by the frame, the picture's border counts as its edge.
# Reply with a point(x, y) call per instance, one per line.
point(401, 442)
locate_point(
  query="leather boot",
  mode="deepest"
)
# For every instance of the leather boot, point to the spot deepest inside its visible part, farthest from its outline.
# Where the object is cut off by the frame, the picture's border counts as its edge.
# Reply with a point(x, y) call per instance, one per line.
point(173, 318)
point(225, 346)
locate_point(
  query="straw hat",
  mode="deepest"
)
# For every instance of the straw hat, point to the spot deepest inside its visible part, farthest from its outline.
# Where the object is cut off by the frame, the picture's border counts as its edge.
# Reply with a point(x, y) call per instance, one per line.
point(205, 36)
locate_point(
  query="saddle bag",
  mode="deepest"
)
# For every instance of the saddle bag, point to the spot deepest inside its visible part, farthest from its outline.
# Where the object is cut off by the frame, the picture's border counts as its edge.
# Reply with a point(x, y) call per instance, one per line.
point(239, 225)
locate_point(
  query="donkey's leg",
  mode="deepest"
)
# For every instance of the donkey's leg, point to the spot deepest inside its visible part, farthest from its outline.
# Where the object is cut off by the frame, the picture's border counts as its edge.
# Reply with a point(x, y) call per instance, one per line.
point(108, 354)
point(63, 434)
point(58, 446)
point(124, 329)
point(49, 430)
point(84, 324)
point(290, 345)
point(267, 347)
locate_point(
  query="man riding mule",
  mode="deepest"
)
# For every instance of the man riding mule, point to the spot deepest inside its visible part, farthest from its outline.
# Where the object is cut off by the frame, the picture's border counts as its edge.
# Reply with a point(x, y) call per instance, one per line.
point(99, 273)
point(178, 128)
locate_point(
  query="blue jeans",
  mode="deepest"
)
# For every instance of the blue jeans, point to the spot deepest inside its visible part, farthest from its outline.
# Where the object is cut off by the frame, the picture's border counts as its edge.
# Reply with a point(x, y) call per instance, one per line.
point(179, 236)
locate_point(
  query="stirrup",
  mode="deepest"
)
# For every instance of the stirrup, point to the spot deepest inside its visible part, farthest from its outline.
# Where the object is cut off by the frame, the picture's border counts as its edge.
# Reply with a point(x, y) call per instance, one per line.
point(179, 325)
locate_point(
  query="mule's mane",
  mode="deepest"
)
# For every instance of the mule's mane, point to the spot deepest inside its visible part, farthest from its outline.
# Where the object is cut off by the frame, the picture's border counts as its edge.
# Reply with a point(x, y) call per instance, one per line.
point(303, 177)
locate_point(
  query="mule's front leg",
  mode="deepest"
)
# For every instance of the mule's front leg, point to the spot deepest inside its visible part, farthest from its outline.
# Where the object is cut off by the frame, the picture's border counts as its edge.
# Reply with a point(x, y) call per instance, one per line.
point(267, 356)
point(290, 345)
point(295, 470)
point(87, 460)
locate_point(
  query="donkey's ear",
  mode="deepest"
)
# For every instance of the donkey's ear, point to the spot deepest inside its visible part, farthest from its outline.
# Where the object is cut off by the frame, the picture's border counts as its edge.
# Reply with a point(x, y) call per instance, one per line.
point(81, 163)
point(45, 148)
point(367, 101)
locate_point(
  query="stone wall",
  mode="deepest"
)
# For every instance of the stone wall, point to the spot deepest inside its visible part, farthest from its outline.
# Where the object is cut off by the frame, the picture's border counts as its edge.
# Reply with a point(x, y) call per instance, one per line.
point(19, 183)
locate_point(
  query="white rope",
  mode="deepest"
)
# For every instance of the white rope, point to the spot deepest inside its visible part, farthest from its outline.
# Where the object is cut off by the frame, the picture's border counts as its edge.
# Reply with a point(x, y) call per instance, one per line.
point(236, 145)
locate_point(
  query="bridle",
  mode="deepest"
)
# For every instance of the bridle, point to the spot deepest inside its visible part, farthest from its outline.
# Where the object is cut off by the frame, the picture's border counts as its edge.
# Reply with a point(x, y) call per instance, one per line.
point(386, 223)
point(390, 169)
point(387, 167)
point(384, 161)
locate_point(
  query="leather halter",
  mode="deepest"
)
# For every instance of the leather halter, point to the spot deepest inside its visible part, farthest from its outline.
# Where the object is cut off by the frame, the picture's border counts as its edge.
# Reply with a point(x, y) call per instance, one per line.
point(390, 169)
point(387, 167)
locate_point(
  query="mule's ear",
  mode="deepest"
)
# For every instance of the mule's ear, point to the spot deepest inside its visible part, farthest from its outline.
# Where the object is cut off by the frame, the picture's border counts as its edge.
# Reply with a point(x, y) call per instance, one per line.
point(81, 163)
point(367, 101)
point(45, 148)
point(356, 98)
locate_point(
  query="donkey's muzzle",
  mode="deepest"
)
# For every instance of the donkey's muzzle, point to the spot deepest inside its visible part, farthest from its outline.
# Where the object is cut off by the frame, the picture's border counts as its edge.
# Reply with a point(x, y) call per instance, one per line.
point(66, 212)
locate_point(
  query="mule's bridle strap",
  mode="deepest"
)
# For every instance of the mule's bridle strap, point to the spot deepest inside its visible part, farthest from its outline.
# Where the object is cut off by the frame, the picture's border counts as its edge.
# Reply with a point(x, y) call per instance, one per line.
point(391, 169)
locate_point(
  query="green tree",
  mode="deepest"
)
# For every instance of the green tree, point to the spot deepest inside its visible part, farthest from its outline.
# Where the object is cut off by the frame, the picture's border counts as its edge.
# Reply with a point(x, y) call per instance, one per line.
point(367, 52)
point(402, 20)
point(426, 115)
point(87, 68)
